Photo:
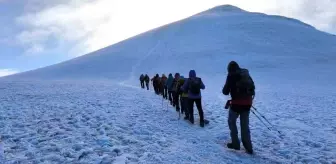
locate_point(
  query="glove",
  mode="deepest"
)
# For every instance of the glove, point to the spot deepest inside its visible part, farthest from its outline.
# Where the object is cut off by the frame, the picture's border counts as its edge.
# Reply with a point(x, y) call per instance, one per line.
point(228, 104)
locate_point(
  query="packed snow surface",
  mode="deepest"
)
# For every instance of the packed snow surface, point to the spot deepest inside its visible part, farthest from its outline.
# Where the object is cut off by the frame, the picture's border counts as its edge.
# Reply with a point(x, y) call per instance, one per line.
point(92, 110)
point(93, 122)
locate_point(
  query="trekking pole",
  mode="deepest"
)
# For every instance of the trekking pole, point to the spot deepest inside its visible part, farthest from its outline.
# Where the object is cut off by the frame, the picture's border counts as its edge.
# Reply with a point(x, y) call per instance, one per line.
point(266, 120)
point(261, 120)
point(265, 123)
point(162, 103)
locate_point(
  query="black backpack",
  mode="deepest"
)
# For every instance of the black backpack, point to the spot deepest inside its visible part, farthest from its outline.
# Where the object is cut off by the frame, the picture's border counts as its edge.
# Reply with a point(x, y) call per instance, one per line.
point(146, 78)
point(195, 85)
point(245, 86)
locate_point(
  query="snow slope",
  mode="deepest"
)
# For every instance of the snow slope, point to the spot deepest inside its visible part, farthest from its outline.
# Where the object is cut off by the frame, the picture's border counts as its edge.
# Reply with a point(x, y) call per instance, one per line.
point(91, 110)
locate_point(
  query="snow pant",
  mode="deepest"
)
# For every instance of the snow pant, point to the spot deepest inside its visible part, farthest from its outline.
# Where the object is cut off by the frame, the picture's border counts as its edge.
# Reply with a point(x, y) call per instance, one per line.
point(161, 90)
point(244, 125)
point(184, 106)
point(170, 95)
point(165, 92)
point(191, 109)
point(156, 89)
point(147, 85)
point(142, 84)
point(176, 100)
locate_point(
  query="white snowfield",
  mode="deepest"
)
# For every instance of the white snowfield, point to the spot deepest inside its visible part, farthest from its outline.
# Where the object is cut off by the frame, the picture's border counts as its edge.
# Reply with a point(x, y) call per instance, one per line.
point(92, 110)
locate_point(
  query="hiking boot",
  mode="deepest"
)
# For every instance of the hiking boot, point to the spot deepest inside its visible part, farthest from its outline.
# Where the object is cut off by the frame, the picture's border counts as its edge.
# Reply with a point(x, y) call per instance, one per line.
point(191, 120)
point(249, 151)
point(232, 146)
point(202, 124)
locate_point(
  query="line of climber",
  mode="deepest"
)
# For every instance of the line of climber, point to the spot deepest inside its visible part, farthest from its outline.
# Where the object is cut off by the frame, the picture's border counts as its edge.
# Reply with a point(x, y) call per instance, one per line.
point(181, 92)
point(187, 91)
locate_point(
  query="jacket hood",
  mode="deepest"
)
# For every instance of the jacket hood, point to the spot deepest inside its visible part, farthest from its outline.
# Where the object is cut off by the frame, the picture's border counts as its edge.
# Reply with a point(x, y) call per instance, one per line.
point(171, 77)
point(192, 73)
point(177, 75)
point(233, 67)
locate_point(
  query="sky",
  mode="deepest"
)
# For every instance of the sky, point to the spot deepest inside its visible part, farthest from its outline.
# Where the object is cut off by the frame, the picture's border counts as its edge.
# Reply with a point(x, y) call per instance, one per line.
point(35, 33)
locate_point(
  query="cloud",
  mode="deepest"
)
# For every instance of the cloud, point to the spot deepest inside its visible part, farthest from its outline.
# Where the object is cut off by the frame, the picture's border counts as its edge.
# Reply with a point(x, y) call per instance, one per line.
point(34, 49)
point(321, 14)
point(90, 25)
point(6, 72)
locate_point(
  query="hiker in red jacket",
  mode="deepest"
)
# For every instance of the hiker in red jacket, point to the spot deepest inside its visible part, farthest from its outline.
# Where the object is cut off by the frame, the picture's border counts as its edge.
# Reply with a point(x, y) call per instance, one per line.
point(241, 87)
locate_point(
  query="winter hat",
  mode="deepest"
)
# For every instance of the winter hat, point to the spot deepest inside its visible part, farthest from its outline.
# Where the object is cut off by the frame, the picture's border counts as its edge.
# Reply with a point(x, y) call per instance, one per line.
point(192, 73)
point(233, 66)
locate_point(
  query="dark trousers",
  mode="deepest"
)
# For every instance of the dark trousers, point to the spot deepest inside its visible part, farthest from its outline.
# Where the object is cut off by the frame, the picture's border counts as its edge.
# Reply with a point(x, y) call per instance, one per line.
point(156, 89)
point(161, 90)
point(244, 125)
point(184, 106)
point(170, 95)
point(176, 100)
point(165, 92)
point(142, 83)
point(191, 109)
point(147, 85)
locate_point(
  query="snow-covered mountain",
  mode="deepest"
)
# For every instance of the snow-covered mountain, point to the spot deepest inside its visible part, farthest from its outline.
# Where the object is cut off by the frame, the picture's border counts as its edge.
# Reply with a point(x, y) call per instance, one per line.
point(90, 109)
point(210, 39)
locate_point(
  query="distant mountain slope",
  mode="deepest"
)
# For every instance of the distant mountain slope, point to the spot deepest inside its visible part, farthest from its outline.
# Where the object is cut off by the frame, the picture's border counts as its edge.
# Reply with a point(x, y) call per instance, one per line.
point(206, 41)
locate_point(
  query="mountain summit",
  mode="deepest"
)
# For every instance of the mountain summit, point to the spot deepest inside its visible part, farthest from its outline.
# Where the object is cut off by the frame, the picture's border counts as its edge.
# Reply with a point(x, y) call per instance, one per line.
point(225, 8)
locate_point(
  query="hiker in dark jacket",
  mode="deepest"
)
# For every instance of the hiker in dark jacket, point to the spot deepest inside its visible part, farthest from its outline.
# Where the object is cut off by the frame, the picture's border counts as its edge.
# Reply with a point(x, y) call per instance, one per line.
point(176, 97)
point(240, 106)
point(194, 85)
point(147, 81)
point(142, 81)
point(152, 80)
point(163, 86)
point(159, 86)
point(169, 85)
point(183, 98)
point(156, 84)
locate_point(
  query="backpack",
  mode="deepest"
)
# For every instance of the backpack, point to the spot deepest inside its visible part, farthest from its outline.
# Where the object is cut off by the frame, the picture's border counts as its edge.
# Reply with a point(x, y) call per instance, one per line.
point(195, 85)
point(179, 85)
point(146, 78)
point(163, 79)
point(245, 86)
point(174, 85)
